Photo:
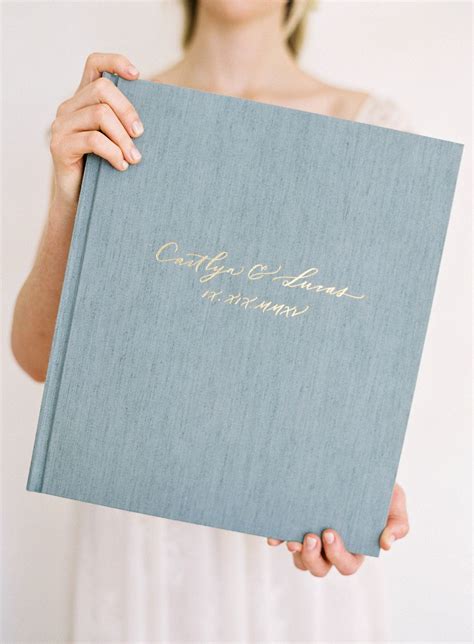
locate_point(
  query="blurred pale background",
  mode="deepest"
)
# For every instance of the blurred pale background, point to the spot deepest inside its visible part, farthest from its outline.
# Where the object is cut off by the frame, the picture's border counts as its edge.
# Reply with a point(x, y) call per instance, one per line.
point(417, 53)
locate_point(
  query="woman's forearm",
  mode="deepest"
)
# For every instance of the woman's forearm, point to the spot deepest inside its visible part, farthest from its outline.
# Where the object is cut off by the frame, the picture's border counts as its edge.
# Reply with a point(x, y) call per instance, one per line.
point(37, 302)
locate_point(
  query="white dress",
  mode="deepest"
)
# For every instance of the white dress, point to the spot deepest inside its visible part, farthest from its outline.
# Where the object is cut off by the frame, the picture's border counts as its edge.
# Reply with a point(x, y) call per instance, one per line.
point(146, 579)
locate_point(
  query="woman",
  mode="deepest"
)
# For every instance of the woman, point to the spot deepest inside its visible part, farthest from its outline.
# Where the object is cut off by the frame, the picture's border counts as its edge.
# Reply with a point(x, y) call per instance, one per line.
point(141, 578)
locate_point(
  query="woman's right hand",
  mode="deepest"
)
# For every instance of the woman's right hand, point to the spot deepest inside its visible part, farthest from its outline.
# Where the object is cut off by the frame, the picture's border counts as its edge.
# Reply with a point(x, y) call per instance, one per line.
point(98, 118)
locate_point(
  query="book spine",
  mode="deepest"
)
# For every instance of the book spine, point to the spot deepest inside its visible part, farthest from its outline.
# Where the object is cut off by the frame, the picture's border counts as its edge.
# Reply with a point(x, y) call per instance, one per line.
point(64, 318)
point(63, 323)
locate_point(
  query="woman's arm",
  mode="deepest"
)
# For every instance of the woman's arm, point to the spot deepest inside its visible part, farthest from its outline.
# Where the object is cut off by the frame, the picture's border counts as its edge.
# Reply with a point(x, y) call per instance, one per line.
point(98, 119)
point(37, 302)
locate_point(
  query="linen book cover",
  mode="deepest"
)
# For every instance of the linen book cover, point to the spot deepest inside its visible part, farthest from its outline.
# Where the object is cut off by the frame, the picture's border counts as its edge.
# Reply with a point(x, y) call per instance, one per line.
point(243, 317)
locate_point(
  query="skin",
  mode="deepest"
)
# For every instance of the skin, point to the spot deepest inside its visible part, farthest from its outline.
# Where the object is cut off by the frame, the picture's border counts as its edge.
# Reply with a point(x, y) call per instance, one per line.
point(238, 49)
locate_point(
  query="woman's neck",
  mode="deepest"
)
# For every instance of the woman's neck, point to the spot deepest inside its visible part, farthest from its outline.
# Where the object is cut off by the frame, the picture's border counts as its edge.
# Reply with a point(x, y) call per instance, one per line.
point(246, 59)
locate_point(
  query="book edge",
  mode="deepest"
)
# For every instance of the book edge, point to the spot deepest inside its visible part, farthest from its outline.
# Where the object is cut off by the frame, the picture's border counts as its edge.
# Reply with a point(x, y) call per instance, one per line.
point(64, 319)
point(437, 271)
point(274, 107)
point(63, 323)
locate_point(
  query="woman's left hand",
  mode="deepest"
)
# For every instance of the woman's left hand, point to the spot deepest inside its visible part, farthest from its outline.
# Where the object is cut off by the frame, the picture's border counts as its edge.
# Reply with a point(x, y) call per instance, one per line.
point(318, 557)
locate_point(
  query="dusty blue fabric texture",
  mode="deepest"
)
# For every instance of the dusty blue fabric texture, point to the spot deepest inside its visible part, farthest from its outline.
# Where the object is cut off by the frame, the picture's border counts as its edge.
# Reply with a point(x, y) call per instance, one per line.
point(266, 390)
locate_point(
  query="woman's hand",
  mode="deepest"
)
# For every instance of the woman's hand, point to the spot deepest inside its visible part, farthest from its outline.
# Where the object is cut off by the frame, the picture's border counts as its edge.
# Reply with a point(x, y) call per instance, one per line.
point(98, 118)
point(318, 557)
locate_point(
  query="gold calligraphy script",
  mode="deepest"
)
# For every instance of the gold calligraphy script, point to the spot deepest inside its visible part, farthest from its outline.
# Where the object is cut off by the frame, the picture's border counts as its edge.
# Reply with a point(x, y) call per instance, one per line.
point(213, 267)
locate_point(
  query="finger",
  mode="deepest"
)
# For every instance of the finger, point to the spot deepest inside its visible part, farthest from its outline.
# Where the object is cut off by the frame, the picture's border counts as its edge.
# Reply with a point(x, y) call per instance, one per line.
point(98, 117)
point(295, 548)
point(103, 90)
point(97, 63)
point(274, 542)
point(298, 561)
point(74, 146)
point(311, 556)
point(346, 562)
point(397, 525)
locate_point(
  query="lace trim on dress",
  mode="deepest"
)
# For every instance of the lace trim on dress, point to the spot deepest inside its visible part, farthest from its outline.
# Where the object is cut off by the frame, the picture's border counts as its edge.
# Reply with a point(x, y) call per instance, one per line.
point(384, 111)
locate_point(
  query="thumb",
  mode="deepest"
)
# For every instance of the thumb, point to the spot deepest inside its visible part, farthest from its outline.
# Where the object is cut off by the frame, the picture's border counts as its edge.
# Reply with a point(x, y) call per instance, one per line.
point(397, 525)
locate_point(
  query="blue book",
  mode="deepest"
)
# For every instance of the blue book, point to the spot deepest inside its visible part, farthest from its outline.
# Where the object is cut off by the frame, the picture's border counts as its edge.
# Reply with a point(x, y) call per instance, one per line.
point(243, 316)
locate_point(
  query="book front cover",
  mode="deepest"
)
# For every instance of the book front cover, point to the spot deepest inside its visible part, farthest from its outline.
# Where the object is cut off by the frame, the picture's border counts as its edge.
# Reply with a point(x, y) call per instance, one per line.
point(249, 312)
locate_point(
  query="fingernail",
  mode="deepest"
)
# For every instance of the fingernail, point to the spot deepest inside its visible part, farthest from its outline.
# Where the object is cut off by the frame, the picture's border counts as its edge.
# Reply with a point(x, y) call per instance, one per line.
point(310, 543)
point(391, 539)
point(329, 537)
point(137, 127)
point(135, 154)
point(294, 547)
point(124, 165)
point(133, 71)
